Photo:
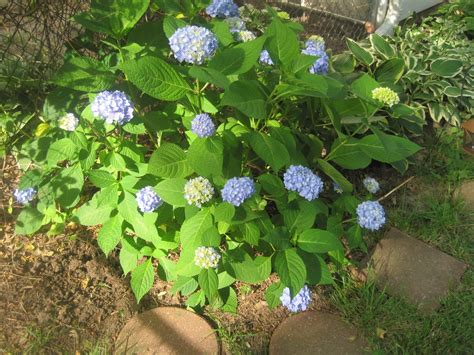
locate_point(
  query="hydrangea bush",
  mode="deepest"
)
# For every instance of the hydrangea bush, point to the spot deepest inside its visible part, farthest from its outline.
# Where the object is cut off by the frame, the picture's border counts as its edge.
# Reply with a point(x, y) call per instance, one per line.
point(202, 164)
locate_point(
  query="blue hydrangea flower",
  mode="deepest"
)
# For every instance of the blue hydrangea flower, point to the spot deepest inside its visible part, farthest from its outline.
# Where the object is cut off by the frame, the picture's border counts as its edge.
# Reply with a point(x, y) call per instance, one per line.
point(237, 190)
point(113, 107)
point(316, 42)
point(337, 188)
point(299, 303)
point(198, 191)
point(193, 44)
point(303, 181)
point(148, 200)
point(321, 65)
point(24, 196)
point(370, 215)
point(235, 24)
point(203, 126)
point(223, 9)
point(371, 185)
point(206, 257)
point(265, 58)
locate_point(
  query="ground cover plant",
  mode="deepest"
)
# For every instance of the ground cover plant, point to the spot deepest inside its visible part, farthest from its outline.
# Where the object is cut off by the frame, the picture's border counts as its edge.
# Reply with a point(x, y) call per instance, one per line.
point(209, 154)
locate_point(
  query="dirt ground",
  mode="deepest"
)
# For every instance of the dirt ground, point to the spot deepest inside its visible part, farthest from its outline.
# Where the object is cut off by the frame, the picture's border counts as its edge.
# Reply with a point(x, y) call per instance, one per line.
point(62, 295)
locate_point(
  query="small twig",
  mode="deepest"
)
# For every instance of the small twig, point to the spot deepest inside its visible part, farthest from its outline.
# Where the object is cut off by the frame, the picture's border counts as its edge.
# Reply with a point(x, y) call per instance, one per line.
point(396, 188)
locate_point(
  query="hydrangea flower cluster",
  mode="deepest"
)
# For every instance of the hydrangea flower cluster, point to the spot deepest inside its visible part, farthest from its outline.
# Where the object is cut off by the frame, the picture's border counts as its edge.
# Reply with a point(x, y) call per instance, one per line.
point(235, 24)
point(193, 44)
point(24, 196)
point(237, 190)
point(203, 126)
point(299, 303)
point(265, 58)
point(113, 107)
point(68, 122)
point(303, 181)
point(370, 215)
point(222, 9)
point(198, 191)
point(206, 257)
point(371, 185)
point(244, 36)
point(337, 188)
point(316, 42)
point(316, 48)
point(386, 96)
point(148, 200)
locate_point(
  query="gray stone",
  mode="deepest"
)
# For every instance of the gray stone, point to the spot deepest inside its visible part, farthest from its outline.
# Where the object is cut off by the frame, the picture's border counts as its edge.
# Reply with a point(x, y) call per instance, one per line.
point(167, 330)
point(316, 333)
point(466, 192)
point(408, 268)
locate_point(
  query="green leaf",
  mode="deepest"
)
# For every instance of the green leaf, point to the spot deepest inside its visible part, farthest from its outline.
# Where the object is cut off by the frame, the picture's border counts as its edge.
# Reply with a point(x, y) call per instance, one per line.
point(169, 161)
point(28, 221)
point(110, 234)
point(128, 258)
point(171, 24)
point(224, 212)
point(222, 32)
point(114, 17)
point(270, 150)
point(209, 282)
point(387, 148)
point(142, 279)
point(209, 75)
point(172, 191)
point(317, 270)
point(381, 46)
point(194, 227)
point(238, 59)
point(67, 185)
point(363, 87)
point(446, 68)
point(90, 214)
point(250, 233)
point(185, 285)
point(156, 78)
point(343, 63)
point(108, 196)
point(241, 266)
point(84, 74)
point(63, 149)
point(101, 178)
point(349, 155)
point(273, 294)
point(318, 241)
point(272, 185)
point(335, 175)
point(360, 53)
point(300, 216)
point(390, 71)
point(282, 44)
point(248, 97)
point(229, 297)
point(211, 238)
point(291, 269)
point(206, 156)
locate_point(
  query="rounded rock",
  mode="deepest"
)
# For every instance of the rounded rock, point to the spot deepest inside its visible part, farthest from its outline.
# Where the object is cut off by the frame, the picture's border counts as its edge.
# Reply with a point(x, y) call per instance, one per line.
point(316, 333)
point(167, 330)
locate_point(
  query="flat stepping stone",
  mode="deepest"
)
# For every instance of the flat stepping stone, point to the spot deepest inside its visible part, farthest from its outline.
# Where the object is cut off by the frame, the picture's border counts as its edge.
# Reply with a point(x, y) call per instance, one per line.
point(167, 330)
point(408, 268)
point(466, 192)
point(316, 333)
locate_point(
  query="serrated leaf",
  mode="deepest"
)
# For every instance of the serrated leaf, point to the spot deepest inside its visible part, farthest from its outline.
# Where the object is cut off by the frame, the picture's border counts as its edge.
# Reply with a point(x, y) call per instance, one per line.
point(28, 221)
point(273, 294)
point(291, 269)
point(63, 149)
point(248, 97)
point(335, 175)
point(172, 191)
point(169, 161)
point(142, 279)
point(101, 178)
point(193, 227)
point(156, 78)
point(318, 241)
point(206, 156)
point(209, 282)
point(282, 44)
point(388, 150)
point(110, 234)
point(270, 150)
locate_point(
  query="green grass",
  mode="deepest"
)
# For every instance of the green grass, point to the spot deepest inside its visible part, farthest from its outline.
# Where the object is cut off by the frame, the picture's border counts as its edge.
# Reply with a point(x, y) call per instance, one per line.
point(431, 213)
